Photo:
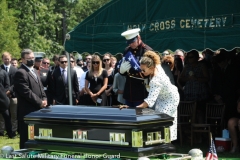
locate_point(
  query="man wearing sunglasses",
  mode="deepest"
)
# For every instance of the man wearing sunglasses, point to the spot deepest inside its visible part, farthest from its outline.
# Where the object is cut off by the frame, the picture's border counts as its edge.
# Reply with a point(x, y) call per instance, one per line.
point(87, 60)
point(45, 63)
point(59, 83)
point(134, 90)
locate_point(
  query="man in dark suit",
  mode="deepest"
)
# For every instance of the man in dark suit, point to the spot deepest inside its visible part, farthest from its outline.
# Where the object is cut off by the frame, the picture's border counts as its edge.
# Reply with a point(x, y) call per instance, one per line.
point(59, 83)
point(5, 83)
point(49, 79)
point(29, 91)
point(4, 103)
point(11, 70)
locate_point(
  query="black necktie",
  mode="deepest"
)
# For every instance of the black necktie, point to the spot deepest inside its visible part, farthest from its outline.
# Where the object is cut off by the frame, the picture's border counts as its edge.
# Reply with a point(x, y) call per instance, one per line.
point(6, 69)
point(64, 76)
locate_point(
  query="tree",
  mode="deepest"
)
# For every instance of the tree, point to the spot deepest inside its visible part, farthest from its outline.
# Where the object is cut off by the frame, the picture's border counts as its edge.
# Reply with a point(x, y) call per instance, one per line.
point(8, 34)
point(37, 26)
point(42, 24)
point(82, 10)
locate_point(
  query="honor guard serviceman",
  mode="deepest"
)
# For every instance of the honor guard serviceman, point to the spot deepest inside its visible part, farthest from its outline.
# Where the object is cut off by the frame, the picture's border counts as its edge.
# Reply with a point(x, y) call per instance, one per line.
point(134, 90)
point(42, 72)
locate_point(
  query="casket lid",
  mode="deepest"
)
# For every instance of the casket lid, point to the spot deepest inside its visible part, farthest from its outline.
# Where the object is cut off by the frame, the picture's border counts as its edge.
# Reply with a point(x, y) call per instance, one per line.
point(98, 114)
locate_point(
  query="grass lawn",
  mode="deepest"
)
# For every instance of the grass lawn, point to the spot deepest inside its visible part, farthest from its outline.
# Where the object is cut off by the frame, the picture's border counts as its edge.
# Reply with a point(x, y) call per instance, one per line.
point(5, 141)
point(180, 149)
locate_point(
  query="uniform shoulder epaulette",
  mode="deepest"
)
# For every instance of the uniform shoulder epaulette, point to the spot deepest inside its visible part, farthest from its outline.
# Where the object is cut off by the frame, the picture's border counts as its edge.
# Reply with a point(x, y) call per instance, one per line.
point(146, 47)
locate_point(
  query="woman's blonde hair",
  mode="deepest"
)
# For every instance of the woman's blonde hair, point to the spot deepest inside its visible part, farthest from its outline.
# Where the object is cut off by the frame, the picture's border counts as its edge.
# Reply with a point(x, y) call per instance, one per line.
point(100, 69)
point(113, 58)
point(150, 59)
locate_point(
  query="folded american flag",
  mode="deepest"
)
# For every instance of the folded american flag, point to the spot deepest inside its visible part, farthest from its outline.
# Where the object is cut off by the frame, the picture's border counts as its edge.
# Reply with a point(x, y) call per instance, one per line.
point(133, 61)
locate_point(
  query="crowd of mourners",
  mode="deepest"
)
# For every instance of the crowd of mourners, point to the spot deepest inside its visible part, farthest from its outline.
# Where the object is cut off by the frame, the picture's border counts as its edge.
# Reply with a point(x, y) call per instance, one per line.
point(206, 77)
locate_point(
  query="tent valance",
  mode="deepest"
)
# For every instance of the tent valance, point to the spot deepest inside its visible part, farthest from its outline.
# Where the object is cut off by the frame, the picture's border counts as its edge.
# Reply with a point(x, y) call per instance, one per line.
point(164, 24)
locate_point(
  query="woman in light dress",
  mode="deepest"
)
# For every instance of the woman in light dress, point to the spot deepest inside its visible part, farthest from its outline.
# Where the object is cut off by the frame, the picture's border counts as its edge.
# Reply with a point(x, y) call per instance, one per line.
point(162, 94)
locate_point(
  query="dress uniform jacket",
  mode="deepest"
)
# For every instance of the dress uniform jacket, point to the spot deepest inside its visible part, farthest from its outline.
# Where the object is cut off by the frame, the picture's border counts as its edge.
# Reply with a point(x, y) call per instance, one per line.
point(43, 76)
point(135, 89)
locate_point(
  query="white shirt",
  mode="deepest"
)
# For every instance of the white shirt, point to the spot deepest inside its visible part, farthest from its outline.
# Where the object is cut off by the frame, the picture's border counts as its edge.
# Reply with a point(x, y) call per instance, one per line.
point(80, 73)
point(82, 81)
point(7, 66)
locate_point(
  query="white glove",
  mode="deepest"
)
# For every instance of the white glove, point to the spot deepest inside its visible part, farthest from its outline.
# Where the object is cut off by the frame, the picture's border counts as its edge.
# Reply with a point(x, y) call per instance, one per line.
point(125, 66)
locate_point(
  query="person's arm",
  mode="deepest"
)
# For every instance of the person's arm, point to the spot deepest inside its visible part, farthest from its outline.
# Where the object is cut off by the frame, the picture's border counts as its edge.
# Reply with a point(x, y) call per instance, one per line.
point(182, 77)
point(82, 82)
point(87, 89)
point(105, 81)
point(152, 96)
point(21, 84)
point(108, 91)
point(115, 84)
point(6, 82)
point(178, 82)
point(143, 105)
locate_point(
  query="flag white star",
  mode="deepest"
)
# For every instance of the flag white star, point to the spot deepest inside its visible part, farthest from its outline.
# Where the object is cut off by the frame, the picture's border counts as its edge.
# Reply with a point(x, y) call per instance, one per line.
point(135, 67)
point(129, 58)
point(123, 58)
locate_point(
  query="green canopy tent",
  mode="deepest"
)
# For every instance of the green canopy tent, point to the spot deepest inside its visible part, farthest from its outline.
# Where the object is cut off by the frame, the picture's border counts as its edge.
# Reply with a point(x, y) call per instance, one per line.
point(164, 24)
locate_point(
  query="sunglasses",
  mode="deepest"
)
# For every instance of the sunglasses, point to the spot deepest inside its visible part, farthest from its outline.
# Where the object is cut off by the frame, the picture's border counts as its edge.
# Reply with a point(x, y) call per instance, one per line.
point(62, 62)
point(105, 60)
point(72, 61)
point(95, 62)
point(45, 63)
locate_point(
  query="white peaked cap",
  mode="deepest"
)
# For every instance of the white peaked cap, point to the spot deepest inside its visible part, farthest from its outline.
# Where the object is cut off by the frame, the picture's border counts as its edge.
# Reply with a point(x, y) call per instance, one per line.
point(130, 34)
point(38, 54)
point(166, 52)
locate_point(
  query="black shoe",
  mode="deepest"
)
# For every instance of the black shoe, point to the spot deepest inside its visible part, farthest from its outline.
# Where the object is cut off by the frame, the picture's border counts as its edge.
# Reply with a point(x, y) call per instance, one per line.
point(11, 137)
point(1, 134)
point(14, 134)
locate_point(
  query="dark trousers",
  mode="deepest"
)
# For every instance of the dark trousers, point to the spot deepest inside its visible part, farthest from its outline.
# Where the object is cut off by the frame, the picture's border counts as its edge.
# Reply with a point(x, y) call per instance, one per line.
point(23, 129)
point(8, 124)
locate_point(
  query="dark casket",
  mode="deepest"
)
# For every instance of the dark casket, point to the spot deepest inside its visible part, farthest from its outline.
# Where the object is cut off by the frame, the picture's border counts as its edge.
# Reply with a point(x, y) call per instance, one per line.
point(128, 132)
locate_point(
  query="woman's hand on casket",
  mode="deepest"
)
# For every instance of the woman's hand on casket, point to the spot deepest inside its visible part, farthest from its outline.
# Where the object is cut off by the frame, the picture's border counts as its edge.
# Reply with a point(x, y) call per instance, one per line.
point(123, 106)
point(44, 104)
point(143, 105)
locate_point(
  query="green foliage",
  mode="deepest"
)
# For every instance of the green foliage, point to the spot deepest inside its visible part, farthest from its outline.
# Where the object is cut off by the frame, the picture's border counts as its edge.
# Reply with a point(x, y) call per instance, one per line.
point(9, 37)
point(82, 10)
point(37, 26)
point(41, 25)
